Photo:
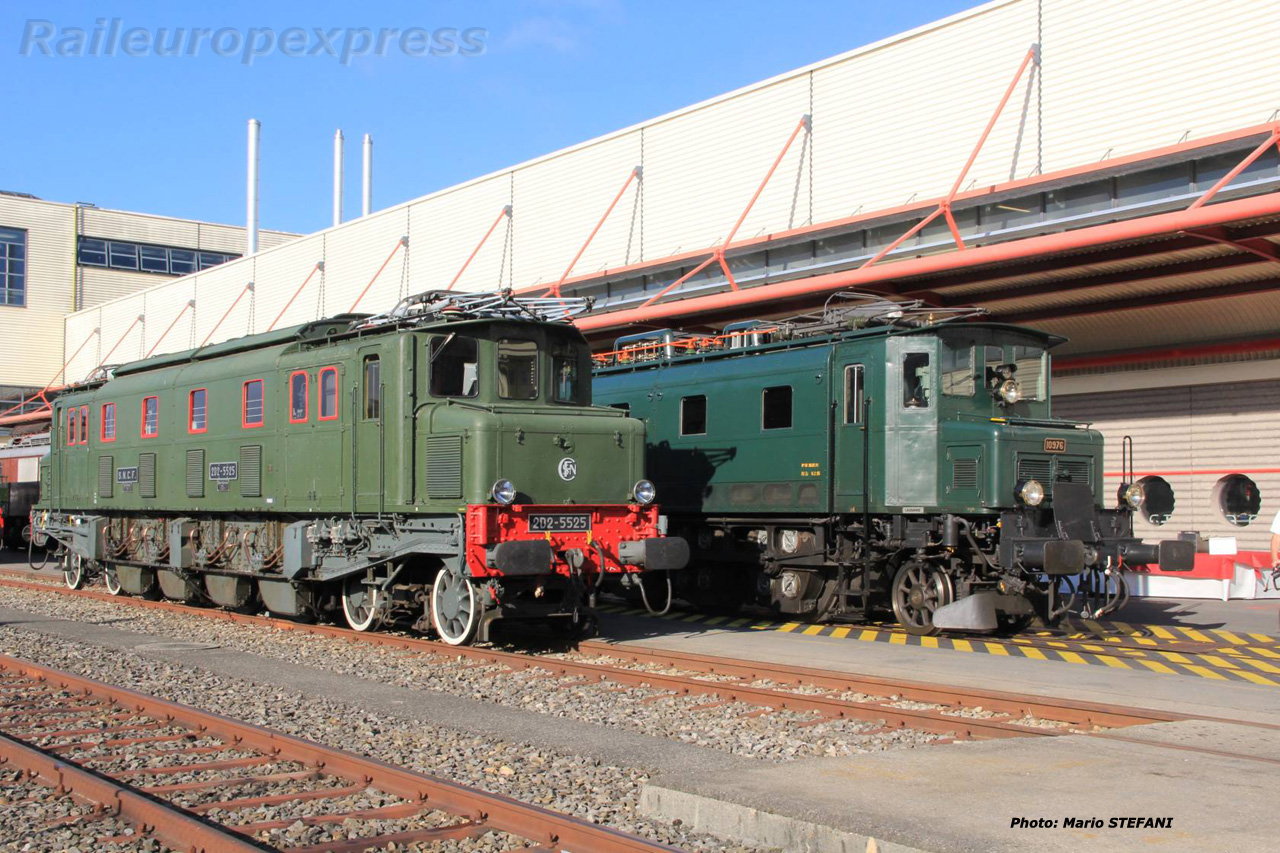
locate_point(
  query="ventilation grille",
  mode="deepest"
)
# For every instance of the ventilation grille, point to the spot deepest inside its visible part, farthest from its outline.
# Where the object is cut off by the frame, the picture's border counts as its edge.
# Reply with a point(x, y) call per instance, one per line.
point(964, 474)
point(1075, 470)
point(106, 480)
point(1036, 468)
point(1048, 470)
point(195, 473)
point(251, 471)
point(444, 466)
point(147, 475)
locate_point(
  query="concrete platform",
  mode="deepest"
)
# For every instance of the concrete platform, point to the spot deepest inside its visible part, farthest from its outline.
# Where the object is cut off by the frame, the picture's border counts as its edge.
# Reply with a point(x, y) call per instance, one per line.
point(963, 798)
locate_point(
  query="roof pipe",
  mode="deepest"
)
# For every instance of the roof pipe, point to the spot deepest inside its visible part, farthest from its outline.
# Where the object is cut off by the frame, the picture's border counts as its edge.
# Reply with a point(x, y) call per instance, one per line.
point(251, 189)
point(337, 177)
point(888, 274)
point(366, 199)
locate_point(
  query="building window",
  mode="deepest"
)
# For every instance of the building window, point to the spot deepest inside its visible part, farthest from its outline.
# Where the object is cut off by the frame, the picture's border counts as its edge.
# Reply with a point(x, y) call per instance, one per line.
point(92, 253)
point(853, 394)
point(71, 426)
point(372, 388)
point(693, 415)
point(328, 393)
point(182, 261)
point(775, 405)
point(198, 411)
point(153, 259)
point(297, 397)
point(517, 370)
point(13, 267)
point(1238, 498)
point(107, 427)
point(253, 408)
point(138, 257)
point(84, 424)
point(123, 256)
point(150, 417)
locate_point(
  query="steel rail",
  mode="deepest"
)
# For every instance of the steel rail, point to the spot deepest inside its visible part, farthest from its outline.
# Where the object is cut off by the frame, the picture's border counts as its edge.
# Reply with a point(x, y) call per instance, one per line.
point(485, 811)
point(830, 707)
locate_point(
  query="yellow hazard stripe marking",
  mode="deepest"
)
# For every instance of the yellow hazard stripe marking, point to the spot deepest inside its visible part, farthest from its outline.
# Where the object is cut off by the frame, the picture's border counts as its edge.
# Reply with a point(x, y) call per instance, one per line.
point(1257, 679)
point(929, 642)
point(868, 634)
point(1262, 665)
point(1230, 637)
point(1032, 652)
point(1205, 672)
point(813, 629)
point(1114, 662)
point(1196, 635)
point(898, 639)
point(1072, 657)
point(1157, 666)
point(962, 645)
point(841, 633)
point(996, 649)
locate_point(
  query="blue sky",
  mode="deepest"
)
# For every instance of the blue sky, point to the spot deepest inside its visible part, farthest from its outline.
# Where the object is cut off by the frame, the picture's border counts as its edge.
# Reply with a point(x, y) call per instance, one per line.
point(167, 134)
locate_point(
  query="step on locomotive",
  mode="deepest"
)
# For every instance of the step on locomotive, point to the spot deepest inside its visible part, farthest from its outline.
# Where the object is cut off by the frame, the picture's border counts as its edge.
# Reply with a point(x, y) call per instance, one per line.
point(441, 464)
point(882, 454)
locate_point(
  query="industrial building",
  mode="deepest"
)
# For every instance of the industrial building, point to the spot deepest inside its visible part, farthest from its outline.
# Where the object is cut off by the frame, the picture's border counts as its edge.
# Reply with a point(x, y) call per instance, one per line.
point(1107, 172)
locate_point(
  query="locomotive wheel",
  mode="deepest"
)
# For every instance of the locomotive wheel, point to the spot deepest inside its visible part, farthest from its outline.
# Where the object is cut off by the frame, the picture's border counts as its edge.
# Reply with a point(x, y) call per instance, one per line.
point(455, 613)
point(73, 571)
point(111, 579)
point(361, 604)
point(919, 589)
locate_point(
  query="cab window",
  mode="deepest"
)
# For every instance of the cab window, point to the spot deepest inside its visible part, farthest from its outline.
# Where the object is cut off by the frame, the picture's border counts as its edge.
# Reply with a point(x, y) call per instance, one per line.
point(517, 370)
point(298, 396)
point(853, 394)
point(372, 388)
point(454, 367)
point(567, 376)
point(915, 381)
point(957, 370)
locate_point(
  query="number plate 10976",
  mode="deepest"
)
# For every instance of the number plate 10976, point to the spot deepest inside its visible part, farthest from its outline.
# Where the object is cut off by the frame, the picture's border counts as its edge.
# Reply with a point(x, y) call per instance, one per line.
point(560, 523)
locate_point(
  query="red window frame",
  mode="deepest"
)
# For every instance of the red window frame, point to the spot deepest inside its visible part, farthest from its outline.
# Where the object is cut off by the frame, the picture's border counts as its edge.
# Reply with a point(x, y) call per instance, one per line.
point(244, 404)
point(71, 426)
point(306, 397)
point(142, 428)
point(320, 394)
point(191, 408)
point(102, 423)
point(84, 424)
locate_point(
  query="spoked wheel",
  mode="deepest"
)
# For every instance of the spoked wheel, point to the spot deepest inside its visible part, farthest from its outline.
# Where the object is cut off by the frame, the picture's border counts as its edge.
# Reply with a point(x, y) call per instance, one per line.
point(455, 612)
point(361, 604)
point(111, 579)
point(919, 589)
point(73, 571)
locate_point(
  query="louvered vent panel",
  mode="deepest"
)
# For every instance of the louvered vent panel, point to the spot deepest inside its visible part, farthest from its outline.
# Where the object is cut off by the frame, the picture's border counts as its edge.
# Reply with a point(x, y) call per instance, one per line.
point(964, 474)
point(195, 473)
point(444, 466)
point(251, 471)
point(1075, 470)
point(147, 475)
point(106, 482)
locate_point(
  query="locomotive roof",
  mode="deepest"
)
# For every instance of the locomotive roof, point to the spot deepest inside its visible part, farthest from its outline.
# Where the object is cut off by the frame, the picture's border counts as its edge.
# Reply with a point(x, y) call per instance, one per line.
point(1046, 339)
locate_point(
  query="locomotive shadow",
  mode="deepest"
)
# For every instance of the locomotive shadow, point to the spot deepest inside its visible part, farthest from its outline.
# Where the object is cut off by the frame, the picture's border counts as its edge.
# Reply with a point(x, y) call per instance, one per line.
point(687, 472)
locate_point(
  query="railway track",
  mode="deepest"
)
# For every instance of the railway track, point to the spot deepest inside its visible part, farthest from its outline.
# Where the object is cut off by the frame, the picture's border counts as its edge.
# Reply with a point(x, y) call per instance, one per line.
point(951, 712)
point(198, 781)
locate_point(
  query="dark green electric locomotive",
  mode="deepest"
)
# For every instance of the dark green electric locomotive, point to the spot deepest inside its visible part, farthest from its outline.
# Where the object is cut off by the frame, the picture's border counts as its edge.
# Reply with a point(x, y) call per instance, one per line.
point(877, 456)
point(441, 463)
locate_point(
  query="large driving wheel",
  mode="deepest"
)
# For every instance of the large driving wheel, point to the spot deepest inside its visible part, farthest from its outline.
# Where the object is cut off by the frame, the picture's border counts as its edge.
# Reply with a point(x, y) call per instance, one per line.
point(73, 571)
point(455, 613)
point(111, 579)
point(919, 589)
point(361, 604)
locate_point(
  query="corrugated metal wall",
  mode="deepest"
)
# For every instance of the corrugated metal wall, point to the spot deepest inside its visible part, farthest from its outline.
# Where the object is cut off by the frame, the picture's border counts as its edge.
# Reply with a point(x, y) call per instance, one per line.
point(50, 270)
point(1193, 437)
point(892, 121)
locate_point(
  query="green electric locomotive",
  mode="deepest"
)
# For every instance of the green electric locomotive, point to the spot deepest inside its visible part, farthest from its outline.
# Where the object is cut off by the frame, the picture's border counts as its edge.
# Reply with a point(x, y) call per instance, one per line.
point(440, 464)
point(873, 456)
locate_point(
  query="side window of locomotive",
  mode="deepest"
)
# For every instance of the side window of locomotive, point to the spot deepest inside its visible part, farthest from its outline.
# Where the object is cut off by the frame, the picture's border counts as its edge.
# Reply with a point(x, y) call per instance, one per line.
point(693, 415)
point(372, 377)
point(198, 411)
point(298, 397)
point(71, 426)
point(915, 380)
point(253, 404)
point(84, 424)
point(957, 370)
point(107, 422)
point(328, 393)
point(853, 394)
point(455, 367)
point(775, 407)
point(517, 370)
point(566, 376)
point(150, 417)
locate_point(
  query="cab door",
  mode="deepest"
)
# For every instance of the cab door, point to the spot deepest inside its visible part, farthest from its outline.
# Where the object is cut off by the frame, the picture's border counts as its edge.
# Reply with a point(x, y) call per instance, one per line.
point(369, 434)
point(851, 370)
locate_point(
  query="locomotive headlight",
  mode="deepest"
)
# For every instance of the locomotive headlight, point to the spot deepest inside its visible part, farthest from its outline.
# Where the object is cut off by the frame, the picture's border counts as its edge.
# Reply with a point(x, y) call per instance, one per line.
point(1010, 392)
point(644, 492)
point(503, 491)
point(1031, 493)
point(1132, 495)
